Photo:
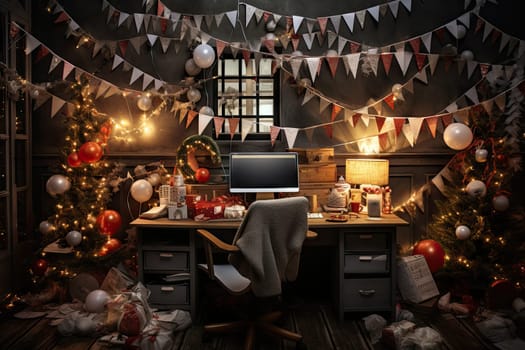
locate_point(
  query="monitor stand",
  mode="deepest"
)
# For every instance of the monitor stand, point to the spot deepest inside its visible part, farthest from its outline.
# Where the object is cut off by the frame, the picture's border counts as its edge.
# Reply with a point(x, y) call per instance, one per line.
point(264, 195)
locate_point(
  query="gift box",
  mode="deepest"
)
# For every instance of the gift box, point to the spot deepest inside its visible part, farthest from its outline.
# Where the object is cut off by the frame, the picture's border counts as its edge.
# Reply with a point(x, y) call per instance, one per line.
point(393, 334)
point(208, 210)
point(191, 200)
point(415, 280)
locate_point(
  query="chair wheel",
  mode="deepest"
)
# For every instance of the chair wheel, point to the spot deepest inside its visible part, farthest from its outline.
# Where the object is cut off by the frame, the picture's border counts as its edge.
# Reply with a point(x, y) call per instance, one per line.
point(301, 346)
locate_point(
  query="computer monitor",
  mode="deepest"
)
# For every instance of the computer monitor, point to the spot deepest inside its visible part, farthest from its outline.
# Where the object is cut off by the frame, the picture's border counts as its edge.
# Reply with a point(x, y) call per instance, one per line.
point(264, 172)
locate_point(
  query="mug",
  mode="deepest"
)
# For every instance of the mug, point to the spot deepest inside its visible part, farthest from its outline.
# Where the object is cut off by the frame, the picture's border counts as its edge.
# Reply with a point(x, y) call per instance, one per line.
point(356, 207)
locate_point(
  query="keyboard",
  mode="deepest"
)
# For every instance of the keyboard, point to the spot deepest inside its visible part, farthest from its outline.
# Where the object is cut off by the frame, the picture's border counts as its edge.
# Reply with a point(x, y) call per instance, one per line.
point(225, 219)
point(315, 215)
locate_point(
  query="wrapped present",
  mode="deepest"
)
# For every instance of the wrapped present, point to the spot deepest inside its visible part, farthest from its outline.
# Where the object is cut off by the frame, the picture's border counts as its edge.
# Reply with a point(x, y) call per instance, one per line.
point(394, 333)
point(191, 200)
point(424, 338)
point(208, 210)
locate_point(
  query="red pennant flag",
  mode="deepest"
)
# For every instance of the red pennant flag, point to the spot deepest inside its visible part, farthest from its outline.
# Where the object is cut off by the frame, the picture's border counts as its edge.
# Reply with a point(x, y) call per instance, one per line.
point(246, 54)
point(332, 64)
point(387, 61)
point(335, 111)
point(295, 41)
point(398, 123)
point(191, 115)
point(416, 44)
point(266, 16)
point(322, 24)
point(217, 122)
point(62, 17)
point(233, 122)
point(432, 125)
point(289, 23)
point(484, 68)
point(447, 119)
point(389, 100)
point(383, 141)
point(43, 52)
point(440, 33)
point(274, 132)
point(355, 118)
point(496, 34)
point(420, 60)
point(479, 25)
point(329, 130)
point(354, 47)
point(123, 44)
point(380, 121)
point(160, 8)
point(220, 45)
point(448, 62)
point(163, 24)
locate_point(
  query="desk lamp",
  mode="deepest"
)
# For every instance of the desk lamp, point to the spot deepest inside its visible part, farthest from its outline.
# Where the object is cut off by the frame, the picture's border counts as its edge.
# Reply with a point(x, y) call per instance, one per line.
point(369, 173)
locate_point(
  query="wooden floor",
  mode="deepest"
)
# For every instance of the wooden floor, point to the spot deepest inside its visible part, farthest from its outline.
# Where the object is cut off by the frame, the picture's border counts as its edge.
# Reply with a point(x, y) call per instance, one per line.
point(316, 322)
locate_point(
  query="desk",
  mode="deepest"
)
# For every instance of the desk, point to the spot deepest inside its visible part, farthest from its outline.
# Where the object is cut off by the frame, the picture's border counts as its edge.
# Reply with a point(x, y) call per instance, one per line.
point(363, 269)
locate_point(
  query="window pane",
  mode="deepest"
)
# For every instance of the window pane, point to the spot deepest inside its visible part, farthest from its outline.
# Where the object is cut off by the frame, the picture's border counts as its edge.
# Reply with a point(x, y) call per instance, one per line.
point(265, 67)
point(3, 224)
point(265, 87)
point(20, 162)
point(3, 164)
point(251, 122)
point(265, 124)
point(249, 106)
point(231, 67)
point(248, 69)
point(249, 87)
point(21, 215)
point(266, 107)
point(230, 86)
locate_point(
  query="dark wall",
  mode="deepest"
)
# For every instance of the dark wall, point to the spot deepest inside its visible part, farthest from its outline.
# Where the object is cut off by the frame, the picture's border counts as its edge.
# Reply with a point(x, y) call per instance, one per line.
point(411, 167)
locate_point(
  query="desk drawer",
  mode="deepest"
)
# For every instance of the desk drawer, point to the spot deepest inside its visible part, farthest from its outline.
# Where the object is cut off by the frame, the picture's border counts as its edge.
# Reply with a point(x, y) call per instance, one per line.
point(364, 293)
point(169, 294)
point(366, 241)
point(165, 260)
point(361, 263)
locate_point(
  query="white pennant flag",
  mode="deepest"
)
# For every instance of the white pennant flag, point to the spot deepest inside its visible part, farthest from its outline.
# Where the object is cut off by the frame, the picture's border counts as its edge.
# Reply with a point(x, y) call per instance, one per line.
point(117, 60)
point(374, 12)
point(504, 41)
point(198, 20)
point(433, 61)
point(296, 66)
point(307, 96)
point(407, 4)
point(122, 18)
point(297, 20)
point(351, 62)
point(204, 120)
point(31, 44)
point(291, 135)
point(361, 15)
point(313, 66)
point(453, 28)
point(472, 94)
point(465, 19)
point(422, 76)
point(409, 135)
point(403, 59)
point(112, 91)
point(54, 63)
point(336, 22)
point(349, 19)
point(246, 129)
point(427, 40)
point(374, 62)
point(487, 30)
point(97, 46)
point(366, 119)
point(331, 38)
point(394, 7)
point(152, 38)
point(165, 43)
point(218, 18)
point(135, 74)
point(232, 17)
point(102, 88)
point(250, 10)
point(341, 43)
point(68, 67)
point(415, 125)
point(309, 25)
point(158, 84)
point(451, 108)
point(56, 105)
point(147, 80)
point(308, 40)
point(323, 104)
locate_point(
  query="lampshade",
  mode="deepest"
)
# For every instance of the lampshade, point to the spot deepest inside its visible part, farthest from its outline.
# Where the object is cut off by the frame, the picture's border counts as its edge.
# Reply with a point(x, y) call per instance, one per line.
point(367, 171)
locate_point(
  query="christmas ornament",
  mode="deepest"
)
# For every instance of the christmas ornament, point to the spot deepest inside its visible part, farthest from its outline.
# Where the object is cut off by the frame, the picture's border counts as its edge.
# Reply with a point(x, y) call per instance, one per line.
point(90, 152)
point(187, 149)
point(73, 238)
point(193, 95)
point(141, 190)
point(96, 301)
point(153, 179)
point(204, 56)
point(144, 103)
point(85, 326)
point(476, 188)
point(45, 227)
point(500, 202)
point(39, 267)
point(481, 155)
point(191, 67)
point(57, 184)
point(110, 246)
point(502, 160)
point(397, 91)
point(457, 136)
point(202, 175)
point(461, 31)
point(73, 160)
point(109, 222)
point(467, 55)
point(269, 37)
point(462, 232)
point(433, 253)
point(206, 111)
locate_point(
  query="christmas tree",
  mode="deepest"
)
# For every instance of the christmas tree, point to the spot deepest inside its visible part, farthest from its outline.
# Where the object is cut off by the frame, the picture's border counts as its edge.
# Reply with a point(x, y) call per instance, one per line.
point(476, 225)
point(80, 236)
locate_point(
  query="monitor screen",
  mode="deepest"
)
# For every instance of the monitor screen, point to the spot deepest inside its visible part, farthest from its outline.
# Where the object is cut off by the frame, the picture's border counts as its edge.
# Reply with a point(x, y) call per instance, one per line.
point(264, 172)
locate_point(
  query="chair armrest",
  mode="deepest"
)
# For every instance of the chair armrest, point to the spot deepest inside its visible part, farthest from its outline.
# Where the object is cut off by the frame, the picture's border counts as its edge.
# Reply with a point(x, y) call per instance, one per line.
point(217, 242)
point(311, 234)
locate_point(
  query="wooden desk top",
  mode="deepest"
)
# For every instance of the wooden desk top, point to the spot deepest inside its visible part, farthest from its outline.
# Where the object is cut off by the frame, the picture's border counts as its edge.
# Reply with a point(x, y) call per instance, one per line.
point(363, 220)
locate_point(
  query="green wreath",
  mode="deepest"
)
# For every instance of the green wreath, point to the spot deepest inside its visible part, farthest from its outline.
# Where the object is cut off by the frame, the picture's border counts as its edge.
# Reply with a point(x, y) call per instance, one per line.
point(187, 150)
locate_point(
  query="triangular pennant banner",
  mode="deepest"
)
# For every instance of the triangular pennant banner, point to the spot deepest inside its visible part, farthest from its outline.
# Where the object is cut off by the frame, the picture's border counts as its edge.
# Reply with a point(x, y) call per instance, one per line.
point(313, 66)
point(349, 19)
point(274, 132)
point(291, 135)
point(191, 116)
point(415, 126)
point(432, 125)
point(232, 125)
point(31, 43)
point(135, 74)
point(307, 96)
point(217, 123)
point(323, 104)
point(332, 64)
point(204, 120)
point(387, 61)
point(68, 67)
point(56, 105)
point(351, 62)
point(380, 121)
point(246, 129)
point(398, 123)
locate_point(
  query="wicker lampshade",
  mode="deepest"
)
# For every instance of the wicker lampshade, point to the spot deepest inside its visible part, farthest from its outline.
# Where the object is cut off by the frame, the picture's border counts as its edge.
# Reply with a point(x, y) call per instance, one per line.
point(367, 171)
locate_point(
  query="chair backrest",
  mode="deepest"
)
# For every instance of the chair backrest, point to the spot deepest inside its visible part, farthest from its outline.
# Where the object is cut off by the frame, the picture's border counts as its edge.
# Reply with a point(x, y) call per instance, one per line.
point(270, 240)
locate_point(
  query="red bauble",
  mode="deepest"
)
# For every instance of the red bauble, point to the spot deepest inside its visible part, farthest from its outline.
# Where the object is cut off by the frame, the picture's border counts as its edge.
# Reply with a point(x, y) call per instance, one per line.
point(73, 160)
point(105, 129)
point(110, 246)
point(90, 152)
point(202, 175)
point(501, 294)
point(109, 222)
point(433, 253)
point(39, 267)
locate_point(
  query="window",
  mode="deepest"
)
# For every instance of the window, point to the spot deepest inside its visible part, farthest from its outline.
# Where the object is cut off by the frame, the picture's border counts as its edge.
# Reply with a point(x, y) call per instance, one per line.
point(247, 91)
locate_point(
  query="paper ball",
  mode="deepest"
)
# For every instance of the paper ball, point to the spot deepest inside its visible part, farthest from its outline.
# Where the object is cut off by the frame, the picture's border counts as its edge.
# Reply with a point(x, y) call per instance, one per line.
point(202, 175)
point(109, 222)
point(73, 160)
point(57, 184)
point(204, 55)
point(207, 111)
point(500, 202)
point(476, 188)
point(141, 190)
point(193, 95)
point(96, 301)
point(85, 326)
point(467, 55)
point(144, 103)
point(481, 155)
point(90, 152)
point(433, 253)
point(73, 238)
point(462, 232)
point(457, 136)
point(45, 227)
point(191, 68)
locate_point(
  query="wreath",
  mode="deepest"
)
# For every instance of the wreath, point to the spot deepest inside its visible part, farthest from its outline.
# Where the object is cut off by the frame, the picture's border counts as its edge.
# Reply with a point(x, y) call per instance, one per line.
point(186, 162)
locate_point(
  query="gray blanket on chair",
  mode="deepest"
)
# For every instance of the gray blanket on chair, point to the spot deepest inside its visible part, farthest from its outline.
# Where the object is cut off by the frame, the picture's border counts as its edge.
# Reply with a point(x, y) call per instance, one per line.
point(270, 240)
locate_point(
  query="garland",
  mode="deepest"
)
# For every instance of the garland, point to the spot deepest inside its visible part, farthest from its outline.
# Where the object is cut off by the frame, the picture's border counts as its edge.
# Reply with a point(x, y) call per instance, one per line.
point(192, 144)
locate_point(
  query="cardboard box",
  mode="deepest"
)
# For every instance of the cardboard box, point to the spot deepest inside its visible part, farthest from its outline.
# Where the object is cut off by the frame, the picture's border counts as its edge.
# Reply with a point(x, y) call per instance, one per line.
point(314, 155)
point(318, 173)
point(414, 279)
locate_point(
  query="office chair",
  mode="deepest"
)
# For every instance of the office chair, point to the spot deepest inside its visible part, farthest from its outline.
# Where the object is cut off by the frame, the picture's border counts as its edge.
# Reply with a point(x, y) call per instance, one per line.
point(264, 253)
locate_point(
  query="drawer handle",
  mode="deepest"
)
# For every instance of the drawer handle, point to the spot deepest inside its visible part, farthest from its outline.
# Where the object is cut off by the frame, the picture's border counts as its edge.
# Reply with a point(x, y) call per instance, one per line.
point(367, 292)
point(167, 289)
point(366, 236)
point(365, 258)
point(166, 255)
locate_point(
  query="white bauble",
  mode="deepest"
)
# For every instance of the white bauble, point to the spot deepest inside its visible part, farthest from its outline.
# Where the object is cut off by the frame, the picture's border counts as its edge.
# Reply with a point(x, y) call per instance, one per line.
point(500, 202)
point(467, 55)
point(57, 184)
point(193, 95)
point(141, 190)
point(462, 31)
point(45, 227)
point(270, 36)
point(204, 55)
point(73, 238)
point(144, 103)
point(462, 232)
point(96, 301)
point(476, 188)
point(206, 111)
point(481, 155)
point(331, 53)
point(154, 179)
point(191, 67)
point(457, 136)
